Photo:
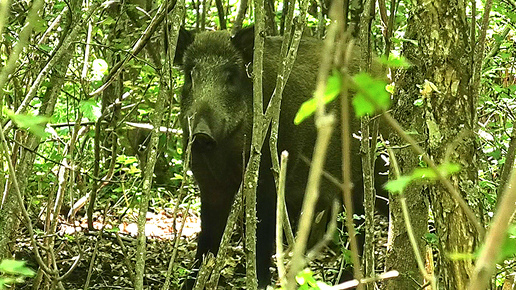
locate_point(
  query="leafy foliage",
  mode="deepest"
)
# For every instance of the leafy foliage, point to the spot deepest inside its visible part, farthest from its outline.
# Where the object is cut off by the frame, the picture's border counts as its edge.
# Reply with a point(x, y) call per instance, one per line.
point(131, 99)
point(398, 185)
point(333, 88)
point(371, 95)
point(32, 123)
point(13, 272)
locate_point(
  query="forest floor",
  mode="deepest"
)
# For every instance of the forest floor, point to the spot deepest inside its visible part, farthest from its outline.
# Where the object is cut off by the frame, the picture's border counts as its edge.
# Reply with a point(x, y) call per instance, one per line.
point(114, 252)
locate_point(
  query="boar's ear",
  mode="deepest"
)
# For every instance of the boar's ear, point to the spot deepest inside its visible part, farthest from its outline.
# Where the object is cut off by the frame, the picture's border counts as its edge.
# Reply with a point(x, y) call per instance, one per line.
point(184, 39)
point(244, 42)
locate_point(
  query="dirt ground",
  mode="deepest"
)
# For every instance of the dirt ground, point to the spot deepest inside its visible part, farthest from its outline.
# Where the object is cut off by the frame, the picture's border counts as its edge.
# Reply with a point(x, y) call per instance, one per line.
point(106, 261)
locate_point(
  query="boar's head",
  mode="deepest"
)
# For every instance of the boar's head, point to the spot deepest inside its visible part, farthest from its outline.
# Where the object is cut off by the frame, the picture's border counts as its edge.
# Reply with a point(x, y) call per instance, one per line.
point(216, 99)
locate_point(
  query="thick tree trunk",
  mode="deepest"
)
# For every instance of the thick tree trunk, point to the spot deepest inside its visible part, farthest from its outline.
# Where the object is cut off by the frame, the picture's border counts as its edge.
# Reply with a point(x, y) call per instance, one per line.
point(441, 31)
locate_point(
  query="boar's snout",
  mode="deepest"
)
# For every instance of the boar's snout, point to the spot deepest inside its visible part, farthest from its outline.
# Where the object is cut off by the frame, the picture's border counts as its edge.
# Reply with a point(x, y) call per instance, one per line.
point(202, 136)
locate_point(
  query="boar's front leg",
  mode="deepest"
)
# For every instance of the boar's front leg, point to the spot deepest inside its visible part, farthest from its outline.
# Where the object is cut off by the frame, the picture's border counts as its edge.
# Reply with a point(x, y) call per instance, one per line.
point(266, 228)
point(215, 207)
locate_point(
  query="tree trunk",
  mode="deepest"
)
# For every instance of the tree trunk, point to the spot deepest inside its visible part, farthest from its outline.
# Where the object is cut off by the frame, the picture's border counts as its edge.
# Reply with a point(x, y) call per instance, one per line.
point(441, 32)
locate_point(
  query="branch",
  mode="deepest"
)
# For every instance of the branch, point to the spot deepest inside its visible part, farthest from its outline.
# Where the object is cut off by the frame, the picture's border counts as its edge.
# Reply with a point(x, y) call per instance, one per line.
point(485, 264)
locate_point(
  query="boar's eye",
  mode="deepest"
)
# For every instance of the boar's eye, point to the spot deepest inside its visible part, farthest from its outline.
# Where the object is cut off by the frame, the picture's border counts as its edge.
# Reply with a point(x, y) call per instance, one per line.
point(232, 76)
point(188, 82)
point(189, 77)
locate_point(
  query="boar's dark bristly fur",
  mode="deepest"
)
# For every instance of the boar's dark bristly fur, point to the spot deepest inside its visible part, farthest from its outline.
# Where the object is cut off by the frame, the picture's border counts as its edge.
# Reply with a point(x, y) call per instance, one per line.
point(217, 114)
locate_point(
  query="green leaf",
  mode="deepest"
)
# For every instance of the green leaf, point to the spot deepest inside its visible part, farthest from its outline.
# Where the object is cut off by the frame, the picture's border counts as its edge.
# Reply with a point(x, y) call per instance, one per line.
point(113, 230)
point(332, 91)
point(445, 169)
point(34, 124)
point(14, 267)
point(306, 280)
point(6, 281)
point(371, 95)
point(133, 170)
point(362, 106)
point(123, 159)
point(69, 237)
point(45, 47)
point(423, 173)
point(394, 61)
point(59, 5)
point(39, 25)
point(431, 238)
point(99, 68)
point(398, 185)
point(90, 109)
point(496, 154)
point(390, 88)
point(509, 245)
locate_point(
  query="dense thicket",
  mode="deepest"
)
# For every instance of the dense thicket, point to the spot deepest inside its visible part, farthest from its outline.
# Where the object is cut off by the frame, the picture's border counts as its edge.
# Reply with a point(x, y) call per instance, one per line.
point(83, 84)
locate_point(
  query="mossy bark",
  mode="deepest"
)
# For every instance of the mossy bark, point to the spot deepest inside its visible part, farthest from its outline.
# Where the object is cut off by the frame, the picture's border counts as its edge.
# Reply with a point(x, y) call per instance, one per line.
point(400, 254)
point(448, 119)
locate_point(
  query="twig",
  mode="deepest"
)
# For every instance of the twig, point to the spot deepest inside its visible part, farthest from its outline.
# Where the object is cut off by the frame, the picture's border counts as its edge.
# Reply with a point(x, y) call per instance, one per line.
point(25, 214)
point(4, 8)
point(23, 37)
point(408, 224)
point(95, 250)
point(485, 264)
point(479, 50)
point(280, 212)
point(324, 129)
point(177, 238)
point(186, 163)
point(328, 236)
point(324, 124)
point(76, 259)
point(250, 179)
point(52, 26)
point(496, 47)
point(509, 163)
point(242, 7)
point(138, 46)
point(56, 57)
point(288, 55)
point(447, 184)
point(354, 283)
point(346, 154)
point(127, 261)
point(431, 164)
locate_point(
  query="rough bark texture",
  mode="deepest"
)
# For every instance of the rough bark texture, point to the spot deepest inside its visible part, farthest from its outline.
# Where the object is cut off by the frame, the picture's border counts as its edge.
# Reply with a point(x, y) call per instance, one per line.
point(441, 57)
point(400, 255)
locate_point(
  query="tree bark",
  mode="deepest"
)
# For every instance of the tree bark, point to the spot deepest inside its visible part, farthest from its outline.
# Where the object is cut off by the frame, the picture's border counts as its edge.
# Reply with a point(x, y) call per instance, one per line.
point(441, 32)
point(400, 255)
